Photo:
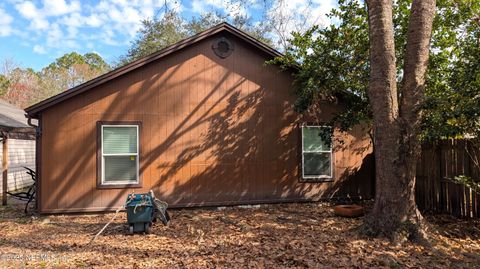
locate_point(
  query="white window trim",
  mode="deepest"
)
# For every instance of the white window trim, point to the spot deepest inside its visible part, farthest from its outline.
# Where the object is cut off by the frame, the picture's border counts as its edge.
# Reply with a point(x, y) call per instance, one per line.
point(125, 182)
point(317, 151)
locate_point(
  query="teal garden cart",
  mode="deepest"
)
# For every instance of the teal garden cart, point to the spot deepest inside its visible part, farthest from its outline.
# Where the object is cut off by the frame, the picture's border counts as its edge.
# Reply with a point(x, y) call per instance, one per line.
point(143, 210)
point(139, 213)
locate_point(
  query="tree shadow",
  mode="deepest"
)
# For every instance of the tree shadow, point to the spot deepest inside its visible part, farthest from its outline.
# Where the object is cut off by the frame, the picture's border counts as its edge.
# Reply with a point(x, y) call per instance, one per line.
point(214, 132)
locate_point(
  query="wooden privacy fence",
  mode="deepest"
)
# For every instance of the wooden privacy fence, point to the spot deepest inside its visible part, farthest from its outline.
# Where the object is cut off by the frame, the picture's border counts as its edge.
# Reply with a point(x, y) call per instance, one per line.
point(438, 165)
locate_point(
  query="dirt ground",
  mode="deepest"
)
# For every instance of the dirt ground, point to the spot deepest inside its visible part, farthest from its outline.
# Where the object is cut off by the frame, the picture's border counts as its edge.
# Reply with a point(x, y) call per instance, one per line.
point(270, 236)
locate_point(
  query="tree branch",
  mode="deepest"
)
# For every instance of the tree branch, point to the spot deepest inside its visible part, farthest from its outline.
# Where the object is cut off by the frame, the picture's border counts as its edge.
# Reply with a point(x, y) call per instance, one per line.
point(416, 62)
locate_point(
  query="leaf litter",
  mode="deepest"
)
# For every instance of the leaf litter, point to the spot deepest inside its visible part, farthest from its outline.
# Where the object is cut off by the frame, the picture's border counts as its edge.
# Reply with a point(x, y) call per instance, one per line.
point(306, 235)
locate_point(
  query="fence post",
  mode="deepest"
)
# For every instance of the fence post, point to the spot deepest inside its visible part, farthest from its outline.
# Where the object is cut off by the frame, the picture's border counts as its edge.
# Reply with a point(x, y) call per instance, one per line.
point(4, 167)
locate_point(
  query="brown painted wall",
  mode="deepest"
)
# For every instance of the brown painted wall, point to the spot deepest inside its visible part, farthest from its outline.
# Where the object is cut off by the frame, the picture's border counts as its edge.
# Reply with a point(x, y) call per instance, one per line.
point(214, 131)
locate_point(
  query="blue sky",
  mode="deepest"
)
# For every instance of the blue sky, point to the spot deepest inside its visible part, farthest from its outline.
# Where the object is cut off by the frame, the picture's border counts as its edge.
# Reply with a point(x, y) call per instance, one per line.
point(34, 33)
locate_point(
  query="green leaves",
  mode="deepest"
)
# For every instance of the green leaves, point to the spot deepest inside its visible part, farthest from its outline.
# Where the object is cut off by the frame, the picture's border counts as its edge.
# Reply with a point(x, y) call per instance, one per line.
point(4, 84)
point(468, 182)
point(159, 33)
point(333, 63)
point(71, 70)
point(452, 108)
point(154, 35)
point(25, 86)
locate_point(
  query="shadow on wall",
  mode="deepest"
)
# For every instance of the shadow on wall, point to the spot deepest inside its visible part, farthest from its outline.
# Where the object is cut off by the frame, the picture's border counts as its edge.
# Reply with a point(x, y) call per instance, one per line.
point(232, 138)
point(354, 183)
point(356, 179)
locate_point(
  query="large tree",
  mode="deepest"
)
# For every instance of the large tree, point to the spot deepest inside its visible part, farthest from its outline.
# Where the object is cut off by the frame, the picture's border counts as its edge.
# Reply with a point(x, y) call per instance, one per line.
point(397, 114)
point(24, 86)
point(334, 62)
point(70, 70)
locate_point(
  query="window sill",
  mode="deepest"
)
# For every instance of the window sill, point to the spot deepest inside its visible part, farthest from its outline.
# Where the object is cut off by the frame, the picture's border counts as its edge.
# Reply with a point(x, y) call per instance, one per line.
point(316, 180)
point(119, 186)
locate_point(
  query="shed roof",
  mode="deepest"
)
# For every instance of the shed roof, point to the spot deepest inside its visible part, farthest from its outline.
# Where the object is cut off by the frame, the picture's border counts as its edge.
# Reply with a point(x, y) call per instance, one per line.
point(13, 120)
point(12, 116)
point(33, 110)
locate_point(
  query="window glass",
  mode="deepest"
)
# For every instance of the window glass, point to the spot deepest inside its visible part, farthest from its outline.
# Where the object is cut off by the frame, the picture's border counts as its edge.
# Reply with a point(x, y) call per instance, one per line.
point(312, 140)
point(120, 168)
point(120, 154)
point(316, 164)
point(119, 140)
point(316, 153)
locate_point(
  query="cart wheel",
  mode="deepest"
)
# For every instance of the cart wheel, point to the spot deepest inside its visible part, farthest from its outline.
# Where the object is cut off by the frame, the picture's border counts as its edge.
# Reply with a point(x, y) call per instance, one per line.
point(130, 229)
point(148, 229)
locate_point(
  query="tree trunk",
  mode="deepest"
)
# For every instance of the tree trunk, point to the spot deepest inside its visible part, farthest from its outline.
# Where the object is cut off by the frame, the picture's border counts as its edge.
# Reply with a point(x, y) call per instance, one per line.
point(396, 128)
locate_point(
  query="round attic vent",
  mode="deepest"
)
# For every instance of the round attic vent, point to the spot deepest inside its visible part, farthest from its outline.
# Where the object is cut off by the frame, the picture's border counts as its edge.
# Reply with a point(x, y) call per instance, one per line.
point(222, 47)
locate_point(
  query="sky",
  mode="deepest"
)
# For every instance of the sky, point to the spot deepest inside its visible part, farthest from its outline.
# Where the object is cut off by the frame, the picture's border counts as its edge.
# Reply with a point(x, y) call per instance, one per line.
point(34, 33)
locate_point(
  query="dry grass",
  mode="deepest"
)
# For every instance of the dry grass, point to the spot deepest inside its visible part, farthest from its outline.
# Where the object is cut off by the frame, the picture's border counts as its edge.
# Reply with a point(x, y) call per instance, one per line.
point(274, 236)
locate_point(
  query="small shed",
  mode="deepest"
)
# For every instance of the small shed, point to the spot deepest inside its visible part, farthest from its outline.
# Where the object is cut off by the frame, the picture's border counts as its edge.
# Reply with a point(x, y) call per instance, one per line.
point(18, 148)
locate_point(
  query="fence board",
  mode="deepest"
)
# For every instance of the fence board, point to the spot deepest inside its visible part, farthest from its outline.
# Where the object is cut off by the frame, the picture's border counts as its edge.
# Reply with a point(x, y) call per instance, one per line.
point(438, 165)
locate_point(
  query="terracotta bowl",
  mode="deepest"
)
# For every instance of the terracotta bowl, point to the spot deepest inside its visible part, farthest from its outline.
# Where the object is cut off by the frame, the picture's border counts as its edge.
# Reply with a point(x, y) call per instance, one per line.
point(348, 210)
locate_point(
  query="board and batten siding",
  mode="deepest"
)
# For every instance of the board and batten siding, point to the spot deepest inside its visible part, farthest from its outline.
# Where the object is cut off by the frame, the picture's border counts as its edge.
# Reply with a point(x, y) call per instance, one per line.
point(214, 132)
point(20, 153)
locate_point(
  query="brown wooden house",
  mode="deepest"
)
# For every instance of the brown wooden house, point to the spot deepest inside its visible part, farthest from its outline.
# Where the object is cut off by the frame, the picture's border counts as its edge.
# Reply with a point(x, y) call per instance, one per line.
point(202, 122)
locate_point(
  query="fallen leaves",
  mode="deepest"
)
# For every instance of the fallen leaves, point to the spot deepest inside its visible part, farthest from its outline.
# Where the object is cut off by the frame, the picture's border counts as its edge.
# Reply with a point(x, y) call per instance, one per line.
point(273, 236)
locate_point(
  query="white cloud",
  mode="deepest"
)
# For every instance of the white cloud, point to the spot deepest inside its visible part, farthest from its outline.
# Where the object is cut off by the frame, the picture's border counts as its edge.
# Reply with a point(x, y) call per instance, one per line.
point(199, 6)
point(69, 23)
point(58, 26)
point(28, 10)
point(298, 16)
point(54, 36)
point(39, 16)
point(50, 8)
point(40, 24)
point(231, 8)
point(5, 23)
point(39, 49)
point(320, 10)
point(119, 20)
point(59, 7)
point(93, 20)
point(73, 20)
point(285, 15)
point(62, 21)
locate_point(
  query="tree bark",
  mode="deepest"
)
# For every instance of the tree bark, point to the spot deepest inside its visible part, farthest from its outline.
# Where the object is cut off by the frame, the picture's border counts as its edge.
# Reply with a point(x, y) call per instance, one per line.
point(396, 127)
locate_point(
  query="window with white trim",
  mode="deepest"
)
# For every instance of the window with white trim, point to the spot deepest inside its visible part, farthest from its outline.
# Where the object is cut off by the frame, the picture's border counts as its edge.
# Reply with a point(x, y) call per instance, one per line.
point(120, 164)
point(316, 153)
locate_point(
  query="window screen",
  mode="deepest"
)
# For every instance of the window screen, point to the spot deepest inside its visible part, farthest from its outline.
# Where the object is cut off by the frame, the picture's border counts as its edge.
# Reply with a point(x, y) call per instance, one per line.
point(316, 153)
point(120, 154)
